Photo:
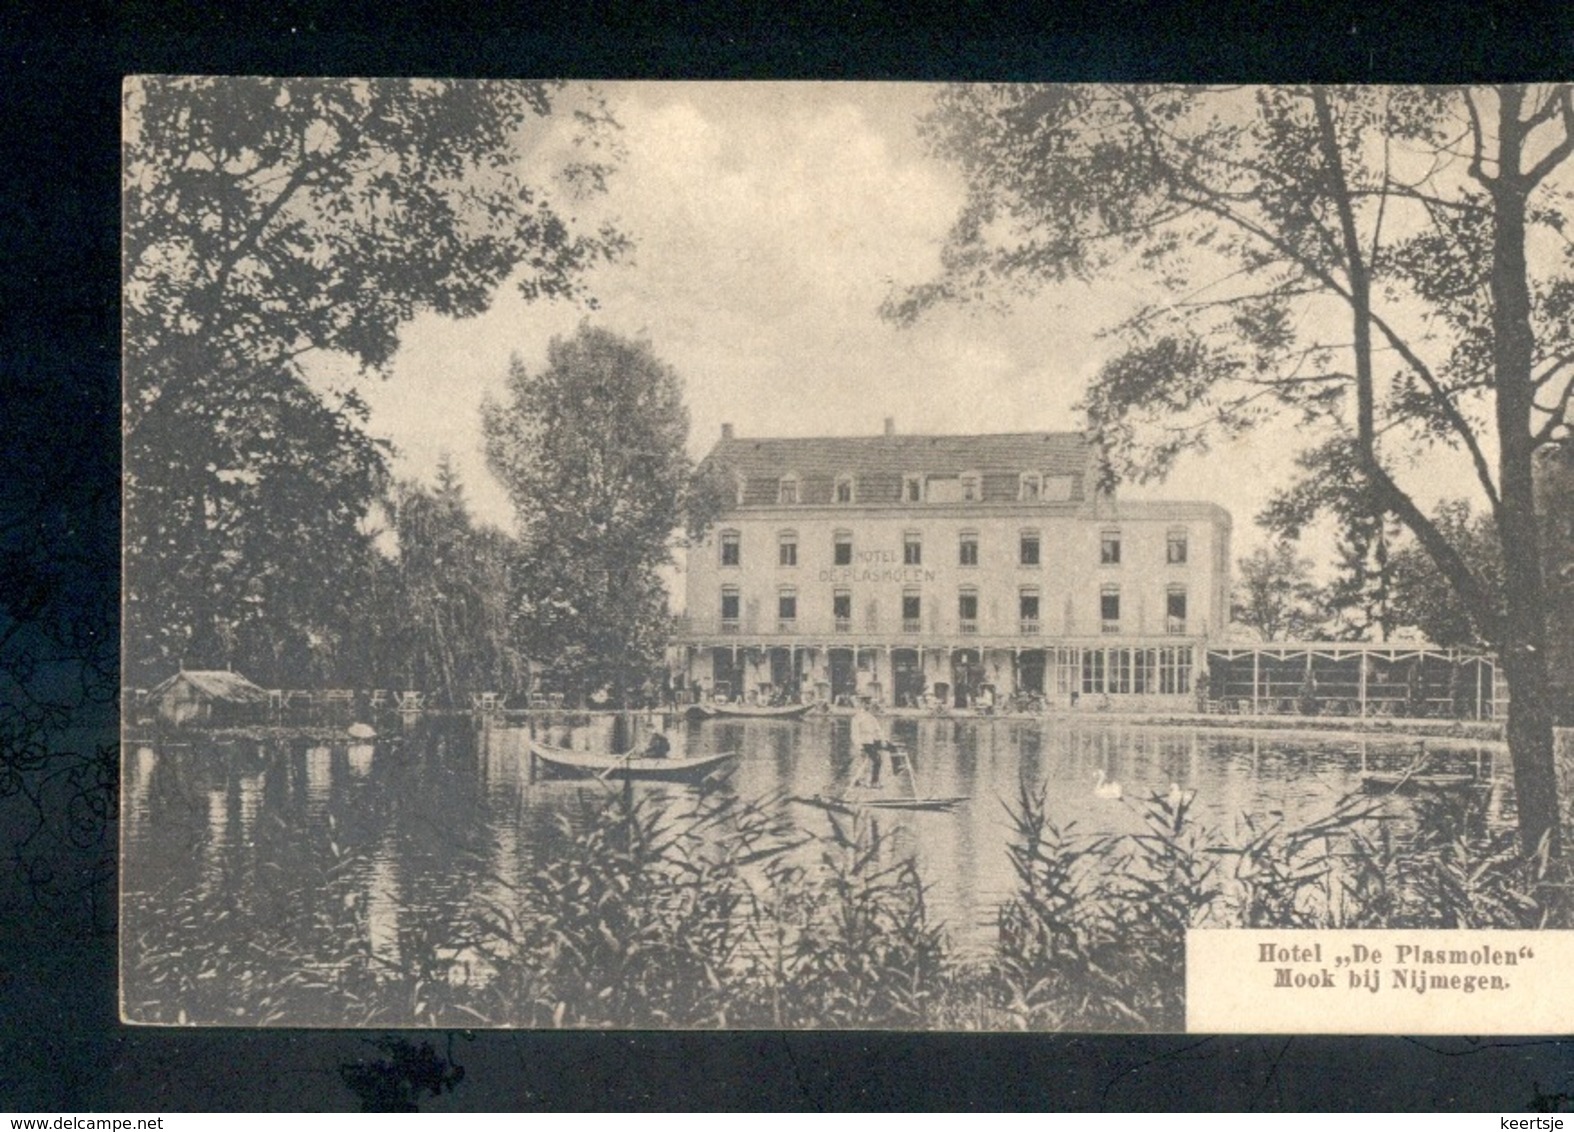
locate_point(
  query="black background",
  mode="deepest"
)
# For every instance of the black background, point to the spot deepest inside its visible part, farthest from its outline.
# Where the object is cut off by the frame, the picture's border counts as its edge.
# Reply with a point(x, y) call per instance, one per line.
point(61, 1048)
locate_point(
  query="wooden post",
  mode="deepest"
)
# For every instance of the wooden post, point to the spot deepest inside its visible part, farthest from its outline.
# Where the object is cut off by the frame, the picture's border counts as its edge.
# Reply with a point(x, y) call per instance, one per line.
point(1256, 680)
point(1478, 689)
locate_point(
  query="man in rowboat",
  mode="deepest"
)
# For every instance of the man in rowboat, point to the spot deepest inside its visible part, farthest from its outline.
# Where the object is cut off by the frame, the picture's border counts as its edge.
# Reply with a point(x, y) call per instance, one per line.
point(657, 746)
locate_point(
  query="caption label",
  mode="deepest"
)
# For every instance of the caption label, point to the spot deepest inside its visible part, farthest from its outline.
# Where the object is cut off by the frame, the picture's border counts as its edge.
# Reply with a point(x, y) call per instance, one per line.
point(1379, 982)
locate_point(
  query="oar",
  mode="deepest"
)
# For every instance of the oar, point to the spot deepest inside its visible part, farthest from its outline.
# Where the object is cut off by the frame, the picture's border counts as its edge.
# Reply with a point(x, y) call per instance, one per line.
point(1416, 764)
point(912, 769)
point(622, 762)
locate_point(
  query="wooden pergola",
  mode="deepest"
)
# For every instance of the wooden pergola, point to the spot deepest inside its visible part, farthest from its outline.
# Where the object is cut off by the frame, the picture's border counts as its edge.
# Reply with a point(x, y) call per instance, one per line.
point(1355, 673)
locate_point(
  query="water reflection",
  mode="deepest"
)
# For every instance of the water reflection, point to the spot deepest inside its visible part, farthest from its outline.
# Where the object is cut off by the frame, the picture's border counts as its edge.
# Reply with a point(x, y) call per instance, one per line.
point(360, 758)
point(398, 845)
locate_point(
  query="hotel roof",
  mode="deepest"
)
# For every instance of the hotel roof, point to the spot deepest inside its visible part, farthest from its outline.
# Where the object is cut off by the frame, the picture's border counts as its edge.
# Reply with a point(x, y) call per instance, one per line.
point(879, 463)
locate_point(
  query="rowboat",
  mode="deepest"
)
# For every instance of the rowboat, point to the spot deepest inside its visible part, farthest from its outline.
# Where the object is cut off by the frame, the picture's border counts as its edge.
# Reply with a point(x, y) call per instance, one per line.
point(854, 803)
point(1398, 782)
point(596, 764)
point(749, 711)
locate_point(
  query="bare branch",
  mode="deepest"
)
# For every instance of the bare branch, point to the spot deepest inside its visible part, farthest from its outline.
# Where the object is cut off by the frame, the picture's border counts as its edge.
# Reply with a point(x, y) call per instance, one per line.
point(1478, 142)
point(1559, 414)
point(1445, 401)
point(1558, 363)
point(1546, 110)
point(1560, 152)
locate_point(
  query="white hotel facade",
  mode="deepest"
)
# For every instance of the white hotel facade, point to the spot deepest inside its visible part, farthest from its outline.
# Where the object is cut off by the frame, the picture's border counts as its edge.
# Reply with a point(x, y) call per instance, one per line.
point(923, 569)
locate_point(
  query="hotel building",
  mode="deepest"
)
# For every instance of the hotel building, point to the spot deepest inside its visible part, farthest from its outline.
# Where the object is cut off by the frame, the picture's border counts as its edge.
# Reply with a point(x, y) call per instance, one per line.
point(934, 569)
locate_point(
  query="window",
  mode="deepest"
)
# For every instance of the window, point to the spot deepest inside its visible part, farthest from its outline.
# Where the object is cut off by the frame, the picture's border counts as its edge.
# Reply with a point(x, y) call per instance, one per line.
point(1175, 547)
point(967, 552)
point(1109, 609)
point(787, 548)
point(911, 612)
point(1143, 673)
point(912, 549)
point(844, 489)
point(1109, 548)
point(1028, 549)
point(1027, 612)
point(729, 609)
point(1175, 671)
point(730, 548)
point(972, 487)
point(1110, 670)
point(842, 610)
point(787, 489)
point(1118, 670)
point(1056, 489)
point(786, 608)
point(1029, 487)
point(1092, 671)
point(912, 489)
point(1175, 610)
point(842, 548)
point(967, 610)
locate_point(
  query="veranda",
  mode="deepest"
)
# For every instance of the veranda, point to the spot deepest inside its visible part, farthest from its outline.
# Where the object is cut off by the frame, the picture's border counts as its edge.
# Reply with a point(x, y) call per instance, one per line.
point(1357, 678)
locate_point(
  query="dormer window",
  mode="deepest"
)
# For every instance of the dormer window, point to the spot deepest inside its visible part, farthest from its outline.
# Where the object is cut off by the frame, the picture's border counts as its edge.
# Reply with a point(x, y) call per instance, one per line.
point(912, 489)
point(844, 489)
point(787, 489)
point(1030, 487)
point(1055, 489)
point(972, 487)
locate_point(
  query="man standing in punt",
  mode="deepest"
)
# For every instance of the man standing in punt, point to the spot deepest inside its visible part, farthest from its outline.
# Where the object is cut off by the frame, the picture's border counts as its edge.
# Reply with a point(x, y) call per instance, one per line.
point(869, 737)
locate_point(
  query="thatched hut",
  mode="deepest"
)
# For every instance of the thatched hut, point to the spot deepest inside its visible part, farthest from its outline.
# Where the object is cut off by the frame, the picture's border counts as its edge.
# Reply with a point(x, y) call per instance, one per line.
point(223, 698)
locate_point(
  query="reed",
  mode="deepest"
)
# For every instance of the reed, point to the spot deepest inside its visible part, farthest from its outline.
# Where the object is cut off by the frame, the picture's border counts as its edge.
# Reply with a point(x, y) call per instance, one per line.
point(845, 941)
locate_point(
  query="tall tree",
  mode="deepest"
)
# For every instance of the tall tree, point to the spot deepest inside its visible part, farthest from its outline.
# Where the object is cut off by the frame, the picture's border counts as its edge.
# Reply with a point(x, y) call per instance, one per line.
point(450, 605)
point(1386, 265)
point(1274, 593)
point(592, 450)
point(265, 220)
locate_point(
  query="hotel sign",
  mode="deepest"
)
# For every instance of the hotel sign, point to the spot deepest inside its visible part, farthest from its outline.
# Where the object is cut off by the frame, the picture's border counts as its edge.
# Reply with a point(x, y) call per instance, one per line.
point(879, 566)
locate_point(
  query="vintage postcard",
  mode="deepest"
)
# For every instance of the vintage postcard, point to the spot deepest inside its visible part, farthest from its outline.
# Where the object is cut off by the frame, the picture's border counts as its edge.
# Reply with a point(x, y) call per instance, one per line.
point(753, 555)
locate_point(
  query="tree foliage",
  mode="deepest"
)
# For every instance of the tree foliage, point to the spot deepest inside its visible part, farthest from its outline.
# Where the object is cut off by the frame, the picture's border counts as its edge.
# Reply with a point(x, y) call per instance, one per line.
point(266, 220)
point(1274, 593)
point(451, 583)
point(1358, 602)
point(1385, 267)
point(1423, 599)
point(592, 450)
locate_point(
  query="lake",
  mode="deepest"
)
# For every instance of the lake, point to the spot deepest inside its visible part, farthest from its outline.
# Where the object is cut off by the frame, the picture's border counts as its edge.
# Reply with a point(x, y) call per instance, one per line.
point(402, 840)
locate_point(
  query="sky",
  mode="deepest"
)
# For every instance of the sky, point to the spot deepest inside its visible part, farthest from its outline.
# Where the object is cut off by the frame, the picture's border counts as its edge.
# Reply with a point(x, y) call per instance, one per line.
point(770, 221)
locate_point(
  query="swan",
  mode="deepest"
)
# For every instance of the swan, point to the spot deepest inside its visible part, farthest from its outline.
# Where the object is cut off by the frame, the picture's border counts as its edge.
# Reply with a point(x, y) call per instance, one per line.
point(1106, 789)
